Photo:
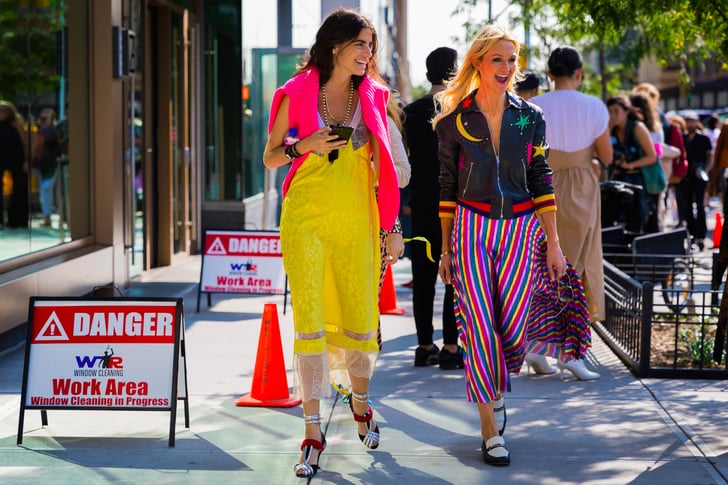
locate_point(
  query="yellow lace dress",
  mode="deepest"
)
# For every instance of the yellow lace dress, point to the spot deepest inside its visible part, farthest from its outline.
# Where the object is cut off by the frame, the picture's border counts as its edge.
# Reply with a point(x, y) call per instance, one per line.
point(330, 242)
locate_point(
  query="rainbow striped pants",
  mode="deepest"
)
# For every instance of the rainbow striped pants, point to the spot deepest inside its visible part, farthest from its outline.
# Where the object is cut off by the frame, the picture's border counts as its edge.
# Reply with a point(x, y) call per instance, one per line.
point(492, 272)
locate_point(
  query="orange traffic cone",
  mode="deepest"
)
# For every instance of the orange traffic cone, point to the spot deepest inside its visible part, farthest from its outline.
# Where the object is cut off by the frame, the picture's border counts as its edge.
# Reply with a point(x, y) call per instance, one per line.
point(718, 229)
point(270, 385)
point(388, 296)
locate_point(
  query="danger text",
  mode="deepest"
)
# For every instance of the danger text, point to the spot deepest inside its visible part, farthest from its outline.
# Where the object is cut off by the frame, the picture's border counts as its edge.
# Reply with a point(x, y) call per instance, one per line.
point(133, 324)
point(260, 246)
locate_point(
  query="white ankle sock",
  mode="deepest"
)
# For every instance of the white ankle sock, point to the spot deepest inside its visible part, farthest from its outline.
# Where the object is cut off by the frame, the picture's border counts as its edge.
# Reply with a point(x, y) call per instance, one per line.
point(499, 451)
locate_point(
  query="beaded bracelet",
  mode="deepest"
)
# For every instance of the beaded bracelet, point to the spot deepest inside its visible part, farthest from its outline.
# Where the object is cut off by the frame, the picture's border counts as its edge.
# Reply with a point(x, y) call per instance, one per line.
point(397, 227)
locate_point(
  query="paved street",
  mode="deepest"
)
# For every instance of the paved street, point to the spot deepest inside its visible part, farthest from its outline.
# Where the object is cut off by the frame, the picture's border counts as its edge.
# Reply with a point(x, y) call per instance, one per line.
point(618, 430)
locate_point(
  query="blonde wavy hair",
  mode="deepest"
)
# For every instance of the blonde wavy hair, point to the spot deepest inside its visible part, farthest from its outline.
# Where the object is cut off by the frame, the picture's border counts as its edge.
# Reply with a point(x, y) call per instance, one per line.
point(468, 78)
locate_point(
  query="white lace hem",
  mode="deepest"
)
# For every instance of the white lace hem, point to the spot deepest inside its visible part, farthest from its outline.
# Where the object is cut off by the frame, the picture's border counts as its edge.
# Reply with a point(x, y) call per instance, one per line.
point(315, 373)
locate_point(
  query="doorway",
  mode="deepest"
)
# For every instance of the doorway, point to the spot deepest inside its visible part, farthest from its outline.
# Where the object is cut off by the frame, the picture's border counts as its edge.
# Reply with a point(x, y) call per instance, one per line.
point(171, 203)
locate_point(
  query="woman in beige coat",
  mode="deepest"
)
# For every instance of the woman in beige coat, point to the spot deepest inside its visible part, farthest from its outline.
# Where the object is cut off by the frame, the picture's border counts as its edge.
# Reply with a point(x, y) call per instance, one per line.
point(577, 130)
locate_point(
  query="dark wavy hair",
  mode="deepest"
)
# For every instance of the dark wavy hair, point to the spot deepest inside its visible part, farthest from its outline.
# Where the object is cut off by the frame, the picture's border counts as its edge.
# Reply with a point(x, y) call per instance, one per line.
point(642, 104)
point(342, 26)
point(623, 101)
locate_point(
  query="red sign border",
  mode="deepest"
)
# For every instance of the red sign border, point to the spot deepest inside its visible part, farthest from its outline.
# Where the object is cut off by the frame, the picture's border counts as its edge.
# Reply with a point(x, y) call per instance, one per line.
point(209, 293)
point(175, 376)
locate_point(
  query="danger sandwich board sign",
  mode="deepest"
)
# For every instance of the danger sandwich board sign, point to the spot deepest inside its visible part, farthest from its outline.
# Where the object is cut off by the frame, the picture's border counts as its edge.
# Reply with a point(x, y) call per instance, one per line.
point(102, 354)
point(248, 262)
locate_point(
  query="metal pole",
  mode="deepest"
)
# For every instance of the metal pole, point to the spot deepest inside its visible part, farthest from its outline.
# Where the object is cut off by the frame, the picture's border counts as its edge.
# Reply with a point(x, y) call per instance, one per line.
point(285, 23)
point(527, 35)
point(403, 81)
point(28, 120)
point(285, 39)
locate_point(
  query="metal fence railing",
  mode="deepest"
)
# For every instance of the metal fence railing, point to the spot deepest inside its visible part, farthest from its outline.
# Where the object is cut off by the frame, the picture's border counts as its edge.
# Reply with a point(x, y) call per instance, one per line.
point(659, 330)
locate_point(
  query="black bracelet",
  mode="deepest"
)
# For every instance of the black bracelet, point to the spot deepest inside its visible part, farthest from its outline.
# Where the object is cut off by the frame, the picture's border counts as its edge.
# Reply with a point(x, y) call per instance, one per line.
point(289, 152)
point(294, 150)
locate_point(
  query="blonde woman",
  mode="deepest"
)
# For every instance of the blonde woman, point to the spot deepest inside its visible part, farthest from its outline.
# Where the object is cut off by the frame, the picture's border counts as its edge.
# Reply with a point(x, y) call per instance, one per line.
point(494, 181)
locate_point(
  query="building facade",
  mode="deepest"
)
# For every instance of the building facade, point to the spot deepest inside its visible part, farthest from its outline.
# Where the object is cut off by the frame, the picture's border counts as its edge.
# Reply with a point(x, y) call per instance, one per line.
point(708, 90)
point(154, 113)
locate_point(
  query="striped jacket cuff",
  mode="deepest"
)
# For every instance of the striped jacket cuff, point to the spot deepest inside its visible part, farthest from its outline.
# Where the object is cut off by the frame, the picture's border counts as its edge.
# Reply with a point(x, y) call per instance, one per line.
point(447, 209)
point(545, 203)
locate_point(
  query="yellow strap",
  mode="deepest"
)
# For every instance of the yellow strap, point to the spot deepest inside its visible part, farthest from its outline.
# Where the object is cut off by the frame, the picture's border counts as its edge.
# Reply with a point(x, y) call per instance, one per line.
point(339, 388)
point(428, 248)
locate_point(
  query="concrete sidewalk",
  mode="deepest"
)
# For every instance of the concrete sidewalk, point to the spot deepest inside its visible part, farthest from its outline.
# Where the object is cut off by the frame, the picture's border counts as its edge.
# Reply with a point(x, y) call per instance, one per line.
point(617, 430)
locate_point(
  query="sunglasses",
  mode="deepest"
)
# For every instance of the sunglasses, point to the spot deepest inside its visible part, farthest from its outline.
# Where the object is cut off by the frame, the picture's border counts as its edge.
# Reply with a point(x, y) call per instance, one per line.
point(564, 293)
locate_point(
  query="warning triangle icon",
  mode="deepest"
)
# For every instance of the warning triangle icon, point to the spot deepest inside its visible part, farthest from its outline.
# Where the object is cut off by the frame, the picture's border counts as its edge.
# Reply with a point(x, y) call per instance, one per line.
point(217, 248)
point(52, 330)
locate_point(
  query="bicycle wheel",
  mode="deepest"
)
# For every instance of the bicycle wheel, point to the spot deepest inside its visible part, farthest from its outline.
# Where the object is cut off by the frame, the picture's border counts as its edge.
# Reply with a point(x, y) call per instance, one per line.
point(677, 286)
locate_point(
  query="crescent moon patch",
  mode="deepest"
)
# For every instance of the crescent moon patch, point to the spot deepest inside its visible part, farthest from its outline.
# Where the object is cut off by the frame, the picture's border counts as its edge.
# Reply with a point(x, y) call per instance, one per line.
point(461, 130)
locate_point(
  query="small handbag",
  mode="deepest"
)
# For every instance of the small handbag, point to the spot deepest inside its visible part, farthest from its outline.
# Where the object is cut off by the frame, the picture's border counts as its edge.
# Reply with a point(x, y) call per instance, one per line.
point(679, 167)
point(652, 174)
point(654, 178)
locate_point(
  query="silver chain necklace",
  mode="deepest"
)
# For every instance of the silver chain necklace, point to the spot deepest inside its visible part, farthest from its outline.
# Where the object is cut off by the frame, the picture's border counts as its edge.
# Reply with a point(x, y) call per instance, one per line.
point(328, 117)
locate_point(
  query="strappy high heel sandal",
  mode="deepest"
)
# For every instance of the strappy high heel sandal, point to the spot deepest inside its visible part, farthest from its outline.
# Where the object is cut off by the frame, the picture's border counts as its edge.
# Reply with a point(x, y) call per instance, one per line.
point(371, 439)
point(306, 469)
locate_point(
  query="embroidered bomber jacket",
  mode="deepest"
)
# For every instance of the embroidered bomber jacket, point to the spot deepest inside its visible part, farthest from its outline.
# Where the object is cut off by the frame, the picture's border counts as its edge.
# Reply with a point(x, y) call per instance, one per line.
point(470, 168)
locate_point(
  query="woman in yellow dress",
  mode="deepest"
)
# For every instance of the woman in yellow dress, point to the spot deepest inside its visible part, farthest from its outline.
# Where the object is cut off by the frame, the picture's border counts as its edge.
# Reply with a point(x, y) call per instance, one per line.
point(331, 216)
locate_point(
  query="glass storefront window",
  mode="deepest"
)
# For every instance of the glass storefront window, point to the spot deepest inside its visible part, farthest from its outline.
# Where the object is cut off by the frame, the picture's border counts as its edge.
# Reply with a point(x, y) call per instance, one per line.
point(43, 136)
point(224, 155)
point(134, 143)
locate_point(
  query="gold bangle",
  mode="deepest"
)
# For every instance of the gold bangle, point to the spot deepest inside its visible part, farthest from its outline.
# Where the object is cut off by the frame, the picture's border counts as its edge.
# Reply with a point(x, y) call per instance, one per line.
point(446, 253)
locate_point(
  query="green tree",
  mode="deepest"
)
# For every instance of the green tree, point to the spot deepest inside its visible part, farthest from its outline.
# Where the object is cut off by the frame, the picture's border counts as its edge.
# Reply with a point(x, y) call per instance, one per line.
point(416, 92)
point(27, 47)
point(678, 33)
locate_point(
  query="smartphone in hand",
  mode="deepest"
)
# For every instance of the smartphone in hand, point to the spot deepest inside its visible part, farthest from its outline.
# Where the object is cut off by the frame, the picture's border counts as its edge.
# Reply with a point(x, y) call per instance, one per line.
point(344, 133)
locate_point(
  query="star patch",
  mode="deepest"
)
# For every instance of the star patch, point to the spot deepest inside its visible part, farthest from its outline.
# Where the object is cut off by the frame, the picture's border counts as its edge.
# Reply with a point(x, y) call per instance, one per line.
point(523, 122)
point(467, 103)
point(539, 150)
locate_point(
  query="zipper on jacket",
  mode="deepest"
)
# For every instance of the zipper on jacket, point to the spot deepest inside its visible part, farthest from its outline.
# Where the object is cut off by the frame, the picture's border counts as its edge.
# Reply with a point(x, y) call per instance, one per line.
point(467, 180)
point(525, 176)
point(497, 164)
point(497, 160)
point(497, 173)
